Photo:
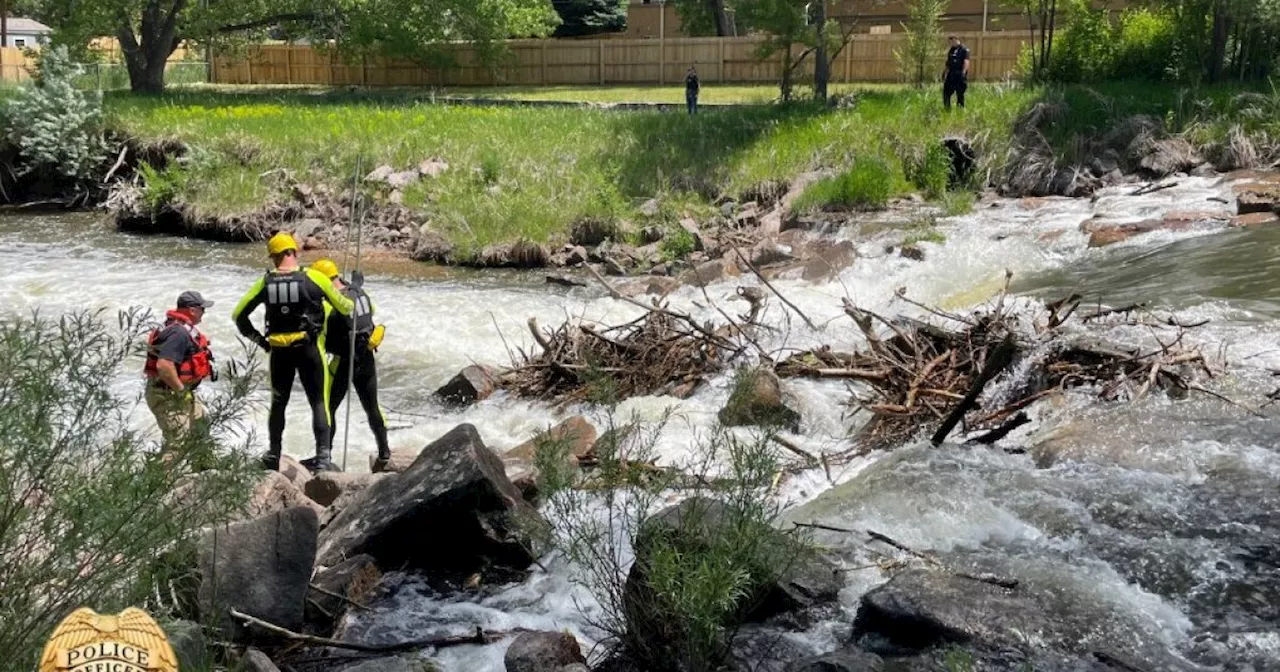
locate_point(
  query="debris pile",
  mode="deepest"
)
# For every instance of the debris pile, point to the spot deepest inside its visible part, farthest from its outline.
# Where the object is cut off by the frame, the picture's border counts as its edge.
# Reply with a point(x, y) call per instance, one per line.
point(914, 374)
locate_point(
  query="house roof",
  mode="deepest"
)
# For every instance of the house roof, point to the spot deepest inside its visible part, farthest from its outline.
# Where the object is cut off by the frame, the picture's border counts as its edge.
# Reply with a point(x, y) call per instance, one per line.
point(20, 25)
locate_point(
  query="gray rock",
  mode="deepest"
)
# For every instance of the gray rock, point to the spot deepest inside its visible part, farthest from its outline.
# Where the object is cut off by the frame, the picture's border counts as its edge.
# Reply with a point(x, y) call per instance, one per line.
point(308, 228)
point(190, 645)
point(612, 267)
point(431, 246)
point(757, 400)
point(651, 234)
point(261, 567)
point(543, 652)
point(402, 179)
point(705, 273)
point(472, 384)
point(380, 174)
point(650, 208)
point(328, 486)
point(453, 511)
point(691, 226)
point(257, 661)
point(293, 470)
point(852, 660)
point(275, 492)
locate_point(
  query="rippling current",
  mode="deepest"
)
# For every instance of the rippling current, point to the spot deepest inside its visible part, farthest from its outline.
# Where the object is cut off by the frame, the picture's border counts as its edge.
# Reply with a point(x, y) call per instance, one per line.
point(1160, 517)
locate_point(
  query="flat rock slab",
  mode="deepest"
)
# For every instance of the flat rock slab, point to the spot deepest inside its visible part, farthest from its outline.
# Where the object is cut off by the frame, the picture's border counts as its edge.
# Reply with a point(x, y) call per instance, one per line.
point(328, 486)
point(260, 567)
point(453, 511)
point(543, 652)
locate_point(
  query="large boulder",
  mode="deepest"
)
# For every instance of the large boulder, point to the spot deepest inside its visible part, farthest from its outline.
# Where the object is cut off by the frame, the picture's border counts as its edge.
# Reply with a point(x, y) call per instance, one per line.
point(190, 645)
point(261, 567)
point(472, 384)
point(401, 459)
point(293, 470)
point(707, 273)
point(275, 492)
point(543, 652)
point(328, 486)
point(784, 575)
point(928, 609)
point(452, 511)
point(824, 259)
point(1261, 195)
point(757, 399)
point(336, 588)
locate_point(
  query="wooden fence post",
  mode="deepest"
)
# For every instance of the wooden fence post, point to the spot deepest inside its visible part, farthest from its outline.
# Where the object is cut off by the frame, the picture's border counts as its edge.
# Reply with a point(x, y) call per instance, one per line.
point(848, 62)
point(364, 71)
point(288, 63)
point(721, 41)
point(544, 62)
point(601, 42)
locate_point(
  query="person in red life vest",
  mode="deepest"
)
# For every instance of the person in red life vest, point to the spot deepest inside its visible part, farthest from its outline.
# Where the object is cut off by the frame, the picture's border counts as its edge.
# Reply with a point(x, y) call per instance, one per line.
point(178, 360)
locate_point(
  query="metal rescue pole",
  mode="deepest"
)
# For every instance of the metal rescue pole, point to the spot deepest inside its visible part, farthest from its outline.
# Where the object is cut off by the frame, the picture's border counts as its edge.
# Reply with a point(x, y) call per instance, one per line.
point(357, 217)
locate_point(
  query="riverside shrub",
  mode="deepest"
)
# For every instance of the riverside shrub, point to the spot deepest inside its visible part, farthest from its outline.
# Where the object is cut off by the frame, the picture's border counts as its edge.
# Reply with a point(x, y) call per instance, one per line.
point(56, 127)
point(88, 510)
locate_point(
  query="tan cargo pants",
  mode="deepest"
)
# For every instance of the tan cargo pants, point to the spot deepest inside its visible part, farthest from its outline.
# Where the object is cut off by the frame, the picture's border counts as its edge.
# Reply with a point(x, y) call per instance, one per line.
point(175, 413)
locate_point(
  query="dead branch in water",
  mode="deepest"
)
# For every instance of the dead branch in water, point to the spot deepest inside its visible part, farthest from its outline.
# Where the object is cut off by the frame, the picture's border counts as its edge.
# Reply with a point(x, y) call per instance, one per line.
point(663, 351)
point(478, 637)
point(912, 375)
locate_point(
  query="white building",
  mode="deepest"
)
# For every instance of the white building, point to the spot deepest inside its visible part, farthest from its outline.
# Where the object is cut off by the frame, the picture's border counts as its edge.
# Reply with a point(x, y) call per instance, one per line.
point(25, 33)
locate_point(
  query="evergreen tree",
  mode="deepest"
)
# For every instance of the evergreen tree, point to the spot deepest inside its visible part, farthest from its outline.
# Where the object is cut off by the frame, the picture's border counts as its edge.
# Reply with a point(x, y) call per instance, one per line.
point(590, 17)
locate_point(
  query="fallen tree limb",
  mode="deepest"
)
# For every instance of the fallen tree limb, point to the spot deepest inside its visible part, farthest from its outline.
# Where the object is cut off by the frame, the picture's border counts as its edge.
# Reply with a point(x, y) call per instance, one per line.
point(750, 266)
point(478, 637)
point(999, 360)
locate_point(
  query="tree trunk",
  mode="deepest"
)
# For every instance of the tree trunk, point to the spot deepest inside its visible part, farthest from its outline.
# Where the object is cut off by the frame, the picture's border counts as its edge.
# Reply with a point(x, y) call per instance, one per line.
point(1218, 46)
point(821, 69)
point(146, 54)
point(723, 27)
point(786, 73)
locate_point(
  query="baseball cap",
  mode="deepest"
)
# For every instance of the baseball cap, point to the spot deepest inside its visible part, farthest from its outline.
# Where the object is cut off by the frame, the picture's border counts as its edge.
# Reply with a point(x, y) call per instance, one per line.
point(192, 299)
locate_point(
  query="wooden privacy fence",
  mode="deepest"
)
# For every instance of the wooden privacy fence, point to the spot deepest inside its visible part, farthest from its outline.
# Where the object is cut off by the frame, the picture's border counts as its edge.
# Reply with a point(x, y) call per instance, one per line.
point(868, 58)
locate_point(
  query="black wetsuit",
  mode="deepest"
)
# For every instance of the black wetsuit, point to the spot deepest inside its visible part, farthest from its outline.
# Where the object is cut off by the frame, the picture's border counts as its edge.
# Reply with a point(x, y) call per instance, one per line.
point(365, 379)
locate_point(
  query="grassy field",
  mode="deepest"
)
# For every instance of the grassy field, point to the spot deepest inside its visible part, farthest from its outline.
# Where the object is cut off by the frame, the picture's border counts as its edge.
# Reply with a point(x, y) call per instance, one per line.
point(532, 172)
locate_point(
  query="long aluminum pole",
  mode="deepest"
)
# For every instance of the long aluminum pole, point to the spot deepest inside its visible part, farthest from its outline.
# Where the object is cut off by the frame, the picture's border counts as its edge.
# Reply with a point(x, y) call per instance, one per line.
point(351, 344)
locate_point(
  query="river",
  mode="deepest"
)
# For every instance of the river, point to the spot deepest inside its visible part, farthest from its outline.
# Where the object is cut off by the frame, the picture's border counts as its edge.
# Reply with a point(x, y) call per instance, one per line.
point(1158, 513)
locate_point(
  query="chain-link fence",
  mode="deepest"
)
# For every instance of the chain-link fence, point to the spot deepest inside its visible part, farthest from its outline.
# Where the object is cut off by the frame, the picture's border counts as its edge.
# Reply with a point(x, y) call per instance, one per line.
point(107, 76)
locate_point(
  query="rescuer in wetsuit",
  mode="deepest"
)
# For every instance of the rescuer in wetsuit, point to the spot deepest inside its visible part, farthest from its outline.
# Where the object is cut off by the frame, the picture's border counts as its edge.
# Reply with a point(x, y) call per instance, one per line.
point(368, 336)
point(295, 306)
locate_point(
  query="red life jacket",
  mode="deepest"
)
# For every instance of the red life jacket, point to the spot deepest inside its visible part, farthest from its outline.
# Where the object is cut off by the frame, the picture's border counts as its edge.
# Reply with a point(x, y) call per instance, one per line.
point(197, 367)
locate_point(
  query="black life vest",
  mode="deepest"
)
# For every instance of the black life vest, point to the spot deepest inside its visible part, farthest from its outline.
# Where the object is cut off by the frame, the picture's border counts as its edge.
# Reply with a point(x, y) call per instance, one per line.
point(292, 304)
point(338, 338)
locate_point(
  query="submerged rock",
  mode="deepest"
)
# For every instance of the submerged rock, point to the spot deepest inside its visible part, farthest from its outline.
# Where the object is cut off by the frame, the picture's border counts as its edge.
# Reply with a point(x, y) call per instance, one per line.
point(543, 652)
point(453, 511)
point(576, 434)
point(257, 661)
point(850, 660)
point(473, 383)
point(1262, 195)
point(261, 567)
point(757, 399)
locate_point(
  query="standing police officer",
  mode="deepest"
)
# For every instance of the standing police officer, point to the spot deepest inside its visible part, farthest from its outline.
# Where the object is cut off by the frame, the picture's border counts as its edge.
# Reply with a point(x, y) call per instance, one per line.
point(295, 300)
point(956, 78)
point(364, 377)
point(178, 360)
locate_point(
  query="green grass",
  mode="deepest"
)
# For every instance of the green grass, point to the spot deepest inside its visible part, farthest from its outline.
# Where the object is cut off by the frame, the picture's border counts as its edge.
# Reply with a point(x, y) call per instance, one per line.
point(870, 183)
point(532, 172)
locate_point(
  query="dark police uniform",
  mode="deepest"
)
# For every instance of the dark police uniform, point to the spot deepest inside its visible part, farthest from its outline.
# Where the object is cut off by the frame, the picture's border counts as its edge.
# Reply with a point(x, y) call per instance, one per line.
point(955, 81)
point(365, 376)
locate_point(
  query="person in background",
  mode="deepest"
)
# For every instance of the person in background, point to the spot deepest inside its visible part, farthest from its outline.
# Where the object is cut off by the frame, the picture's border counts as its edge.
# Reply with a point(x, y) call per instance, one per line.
point(956, 78)
point(691, 88)
point(178, 360)
point(295, 300)
point(368, 336)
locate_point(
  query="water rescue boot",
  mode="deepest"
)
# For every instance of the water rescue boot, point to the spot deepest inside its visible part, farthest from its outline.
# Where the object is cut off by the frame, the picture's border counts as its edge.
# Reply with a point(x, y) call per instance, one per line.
point(321, 462)
point(271, 460)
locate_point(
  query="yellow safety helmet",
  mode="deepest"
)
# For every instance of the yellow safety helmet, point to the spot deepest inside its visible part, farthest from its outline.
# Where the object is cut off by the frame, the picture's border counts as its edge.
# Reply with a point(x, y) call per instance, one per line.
point(326, 267)
point(280, 243)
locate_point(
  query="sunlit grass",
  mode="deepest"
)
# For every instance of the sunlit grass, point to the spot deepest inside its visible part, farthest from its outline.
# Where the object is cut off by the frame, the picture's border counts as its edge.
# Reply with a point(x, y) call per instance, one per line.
point(531, 172)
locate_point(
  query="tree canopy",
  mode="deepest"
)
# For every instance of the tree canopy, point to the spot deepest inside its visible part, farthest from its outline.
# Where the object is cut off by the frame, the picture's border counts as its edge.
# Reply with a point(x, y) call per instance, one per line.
point(590, 17)
point(150, 30)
